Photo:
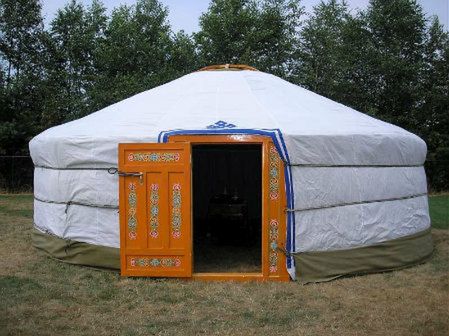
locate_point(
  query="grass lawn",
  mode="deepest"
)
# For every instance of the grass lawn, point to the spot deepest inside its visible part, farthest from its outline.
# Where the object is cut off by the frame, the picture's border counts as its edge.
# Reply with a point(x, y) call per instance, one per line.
point(439, 211)
point(41, 296)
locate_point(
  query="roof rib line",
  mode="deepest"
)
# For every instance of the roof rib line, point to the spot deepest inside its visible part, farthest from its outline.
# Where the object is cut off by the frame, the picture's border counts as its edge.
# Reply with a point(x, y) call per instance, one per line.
point(357, 203)
point(44, 230)
point(111, 170)
point(350, 166)
point(69, 203)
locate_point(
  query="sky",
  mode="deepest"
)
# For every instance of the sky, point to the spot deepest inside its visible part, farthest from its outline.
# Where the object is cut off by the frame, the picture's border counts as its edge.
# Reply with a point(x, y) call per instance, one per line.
point(184, 14)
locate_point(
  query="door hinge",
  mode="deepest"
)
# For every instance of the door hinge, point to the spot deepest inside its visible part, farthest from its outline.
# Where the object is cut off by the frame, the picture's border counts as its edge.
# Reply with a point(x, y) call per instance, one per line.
point(132, 174)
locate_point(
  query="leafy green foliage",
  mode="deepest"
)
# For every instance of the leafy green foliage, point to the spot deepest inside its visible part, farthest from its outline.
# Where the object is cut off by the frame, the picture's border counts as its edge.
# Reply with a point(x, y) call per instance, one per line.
point(322, 49)
point(397, 33)
point(138, 52)
point(135, 50)
point(432, 116)
point(226, 31)
point(72, 65)
point(21, 51)
point(20, 26)
point(260, 33)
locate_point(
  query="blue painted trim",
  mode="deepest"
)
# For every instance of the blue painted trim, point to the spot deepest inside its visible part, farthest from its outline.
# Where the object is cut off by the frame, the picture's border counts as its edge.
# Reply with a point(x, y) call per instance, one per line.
point(278, 140)
point(291, 204)
point(271, 133)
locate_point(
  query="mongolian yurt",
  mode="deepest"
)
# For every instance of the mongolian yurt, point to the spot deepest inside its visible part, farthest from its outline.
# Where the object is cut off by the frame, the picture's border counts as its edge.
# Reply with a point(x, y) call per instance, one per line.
point(231, 173)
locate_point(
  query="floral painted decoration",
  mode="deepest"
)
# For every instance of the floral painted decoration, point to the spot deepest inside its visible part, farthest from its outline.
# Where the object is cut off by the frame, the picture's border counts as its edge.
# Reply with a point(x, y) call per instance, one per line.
point(132, 204)
point(273, 237)
point(154, 210)
point(153, 157)
point(176, 211)
point(274, 173)
point(155, 262)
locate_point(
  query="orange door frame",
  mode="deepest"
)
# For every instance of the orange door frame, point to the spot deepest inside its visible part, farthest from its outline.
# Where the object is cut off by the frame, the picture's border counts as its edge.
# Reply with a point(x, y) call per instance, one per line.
point(274, 204)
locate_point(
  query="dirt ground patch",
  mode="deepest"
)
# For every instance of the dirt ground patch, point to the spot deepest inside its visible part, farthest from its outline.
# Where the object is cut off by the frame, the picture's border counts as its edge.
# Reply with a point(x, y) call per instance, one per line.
point(41, 296)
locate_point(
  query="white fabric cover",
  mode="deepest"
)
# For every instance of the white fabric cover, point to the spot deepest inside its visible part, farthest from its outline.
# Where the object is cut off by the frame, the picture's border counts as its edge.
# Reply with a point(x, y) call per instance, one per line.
point(83, 224)
point(323, 187)
point(317, 131)
point(360, 225)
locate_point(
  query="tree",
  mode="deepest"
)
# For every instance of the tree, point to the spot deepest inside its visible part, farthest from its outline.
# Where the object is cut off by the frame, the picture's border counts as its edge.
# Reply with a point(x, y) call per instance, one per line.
point(226, 30)
point(319, 58)
point(261, 34)
point(21, 31)
point(183, 58)
point(358, 83)
point(397, 31)
point(139, 52)
point(276, 36)
point(432, 113)
point(20, 26)
point(71, 65)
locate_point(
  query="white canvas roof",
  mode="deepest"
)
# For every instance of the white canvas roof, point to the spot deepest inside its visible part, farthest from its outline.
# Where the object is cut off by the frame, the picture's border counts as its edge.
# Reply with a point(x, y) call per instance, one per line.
point(317, 130)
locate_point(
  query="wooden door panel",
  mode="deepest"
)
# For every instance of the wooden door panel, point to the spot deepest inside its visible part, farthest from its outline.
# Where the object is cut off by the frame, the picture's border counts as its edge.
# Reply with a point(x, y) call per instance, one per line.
point(155, 223)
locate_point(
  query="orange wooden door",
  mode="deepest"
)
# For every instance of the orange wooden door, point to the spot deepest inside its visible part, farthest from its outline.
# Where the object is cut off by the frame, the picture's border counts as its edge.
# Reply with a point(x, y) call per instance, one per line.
point(155, 219)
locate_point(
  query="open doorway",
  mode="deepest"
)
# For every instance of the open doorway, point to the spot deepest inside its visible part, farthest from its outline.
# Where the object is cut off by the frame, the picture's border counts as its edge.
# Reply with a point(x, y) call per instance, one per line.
point(227, 208)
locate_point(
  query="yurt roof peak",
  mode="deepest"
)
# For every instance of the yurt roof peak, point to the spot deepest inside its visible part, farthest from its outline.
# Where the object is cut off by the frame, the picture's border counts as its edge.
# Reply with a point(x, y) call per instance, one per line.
point(228, 67)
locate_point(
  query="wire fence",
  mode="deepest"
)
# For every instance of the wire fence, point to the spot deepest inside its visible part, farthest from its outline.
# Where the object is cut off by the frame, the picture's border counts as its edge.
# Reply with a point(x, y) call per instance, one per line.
point(16, 174)
point(437, 172)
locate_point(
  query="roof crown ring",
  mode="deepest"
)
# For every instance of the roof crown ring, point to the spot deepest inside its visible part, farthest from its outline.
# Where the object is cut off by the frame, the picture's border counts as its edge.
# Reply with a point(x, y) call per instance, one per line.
point(228, 67)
